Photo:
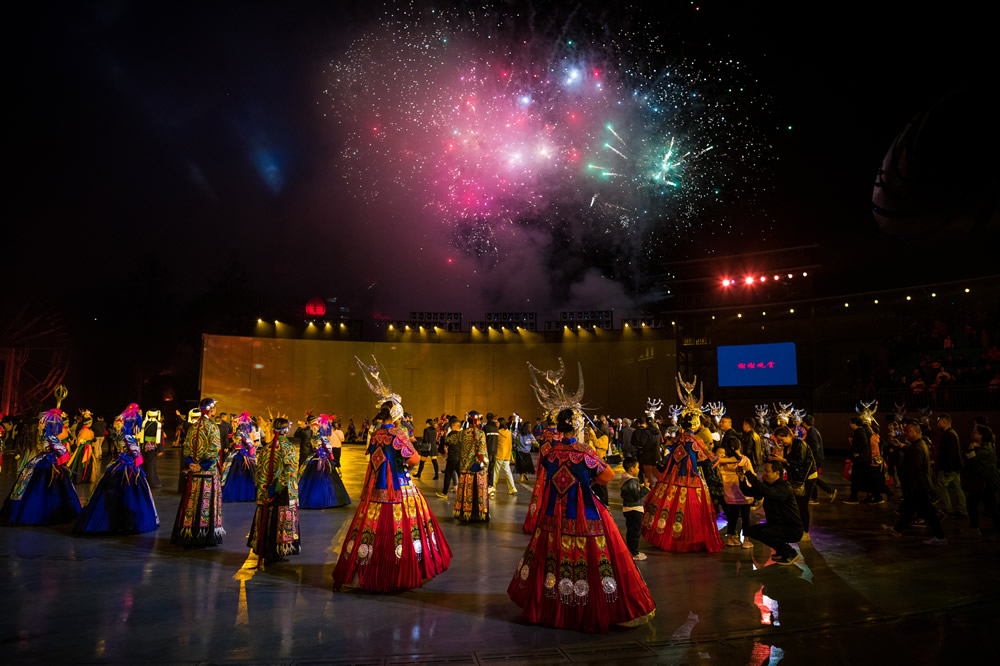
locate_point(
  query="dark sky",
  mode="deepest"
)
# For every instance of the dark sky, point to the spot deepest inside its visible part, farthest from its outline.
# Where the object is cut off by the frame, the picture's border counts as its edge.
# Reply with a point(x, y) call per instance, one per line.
point(163, 151)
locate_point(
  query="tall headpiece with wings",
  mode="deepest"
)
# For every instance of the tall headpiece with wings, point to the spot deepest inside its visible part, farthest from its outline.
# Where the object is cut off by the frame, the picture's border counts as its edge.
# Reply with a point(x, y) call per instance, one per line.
point(716, 409)
point(554, 398)
point(688, 404)
point(690, 408)
point(653, 405)
point(866, 412)
point(783, 413)
point(379, 384)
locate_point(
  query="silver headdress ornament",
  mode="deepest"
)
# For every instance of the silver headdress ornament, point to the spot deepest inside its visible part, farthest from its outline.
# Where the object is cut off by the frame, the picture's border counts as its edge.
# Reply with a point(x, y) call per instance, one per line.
point(381, 388)
point(716, 409)
point(784, 412)
point(925, 415)
point(798, 415)
point(653, 405)
point(675, 413)
point(554, 398)
point(866, 412)
point(689, 406)
point(900, 411)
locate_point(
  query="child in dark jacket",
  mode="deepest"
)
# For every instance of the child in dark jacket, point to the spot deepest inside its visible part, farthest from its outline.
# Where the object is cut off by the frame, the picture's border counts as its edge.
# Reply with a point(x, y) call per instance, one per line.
point(633, 494)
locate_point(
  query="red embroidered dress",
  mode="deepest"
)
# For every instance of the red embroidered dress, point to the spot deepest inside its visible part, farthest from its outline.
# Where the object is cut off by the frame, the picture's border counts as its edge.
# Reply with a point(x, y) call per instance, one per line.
point(394, 542)
point(679, 515)
point(577, 572)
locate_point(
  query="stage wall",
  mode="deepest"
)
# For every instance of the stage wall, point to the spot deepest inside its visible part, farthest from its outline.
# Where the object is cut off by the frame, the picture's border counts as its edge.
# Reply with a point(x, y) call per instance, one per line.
point(252, 374)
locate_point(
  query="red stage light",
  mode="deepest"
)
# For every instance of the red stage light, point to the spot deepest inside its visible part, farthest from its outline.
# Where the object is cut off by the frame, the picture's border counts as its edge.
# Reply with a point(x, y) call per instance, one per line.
point(749, 280)
point(763, 278)
point(726, 282)
point(316, 307)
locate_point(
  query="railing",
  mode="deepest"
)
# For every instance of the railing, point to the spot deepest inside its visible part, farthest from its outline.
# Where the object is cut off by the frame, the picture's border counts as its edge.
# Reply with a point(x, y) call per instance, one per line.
point(940, 399)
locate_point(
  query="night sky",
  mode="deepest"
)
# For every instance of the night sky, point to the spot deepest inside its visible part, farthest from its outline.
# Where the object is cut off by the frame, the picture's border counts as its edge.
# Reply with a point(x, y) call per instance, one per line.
point(172, 167)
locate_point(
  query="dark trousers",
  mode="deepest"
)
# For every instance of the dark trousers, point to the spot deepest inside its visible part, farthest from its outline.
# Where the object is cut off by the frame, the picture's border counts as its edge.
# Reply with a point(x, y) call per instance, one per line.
point(918, 502)
point(859, 478)
point(491, 469)
point(633, 528)
point(336, 455)
point(988, 496)
point(775, 536)
point(450, 473)
point(803, 502)
point(434, 462)
point(736, 512)
point(149, 467)
point(822, 485)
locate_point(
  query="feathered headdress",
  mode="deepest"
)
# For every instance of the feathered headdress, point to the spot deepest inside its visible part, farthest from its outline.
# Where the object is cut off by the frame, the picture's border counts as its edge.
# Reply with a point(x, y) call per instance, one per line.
point(52, 423)
point(325, 425)
point(554, 398)
point(243, 424)
point(131, 420)
point(653, 405)
point(866, 412)
point(381, 388)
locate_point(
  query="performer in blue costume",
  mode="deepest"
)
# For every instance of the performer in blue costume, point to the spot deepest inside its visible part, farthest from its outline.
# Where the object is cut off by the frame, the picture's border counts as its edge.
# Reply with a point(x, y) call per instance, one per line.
point(320, 486)
point(239, 472)
point(122, 502)
point(43, 493)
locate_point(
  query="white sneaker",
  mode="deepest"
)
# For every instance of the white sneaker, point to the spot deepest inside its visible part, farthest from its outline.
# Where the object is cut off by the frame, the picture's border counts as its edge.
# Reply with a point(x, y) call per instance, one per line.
point(934, 541)
point(640, 557)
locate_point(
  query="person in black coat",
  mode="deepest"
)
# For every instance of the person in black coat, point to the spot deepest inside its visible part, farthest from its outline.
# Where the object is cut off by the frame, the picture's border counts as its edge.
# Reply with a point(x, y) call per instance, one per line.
point(861, 454)
point(783, 525)
point(647, 444)
point(492, 432)
point(814, 440)
point(425, 447)
point(915, 479)
point(625, 439)
point(453, 449)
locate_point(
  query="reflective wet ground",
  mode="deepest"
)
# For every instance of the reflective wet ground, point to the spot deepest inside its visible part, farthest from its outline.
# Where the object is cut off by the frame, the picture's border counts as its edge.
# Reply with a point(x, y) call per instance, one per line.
point(857, 596)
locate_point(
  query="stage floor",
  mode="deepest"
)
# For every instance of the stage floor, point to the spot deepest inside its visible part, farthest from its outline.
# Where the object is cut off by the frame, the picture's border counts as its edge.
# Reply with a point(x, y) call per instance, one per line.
point(857, 596)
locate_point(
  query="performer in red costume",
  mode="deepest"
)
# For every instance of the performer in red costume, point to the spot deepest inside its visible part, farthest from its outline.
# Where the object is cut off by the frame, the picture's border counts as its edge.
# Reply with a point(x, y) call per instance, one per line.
point(394, 542)
point(577, 572)
point(679, 512)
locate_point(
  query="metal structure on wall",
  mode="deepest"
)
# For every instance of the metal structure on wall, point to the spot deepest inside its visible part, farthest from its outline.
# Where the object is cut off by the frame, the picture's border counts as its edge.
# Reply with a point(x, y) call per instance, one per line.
point(254, 374)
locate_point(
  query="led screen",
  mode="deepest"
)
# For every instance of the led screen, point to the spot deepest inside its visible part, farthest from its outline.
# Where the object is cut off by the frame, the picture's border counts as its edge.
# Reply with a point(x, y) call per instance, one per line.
point(757, 365)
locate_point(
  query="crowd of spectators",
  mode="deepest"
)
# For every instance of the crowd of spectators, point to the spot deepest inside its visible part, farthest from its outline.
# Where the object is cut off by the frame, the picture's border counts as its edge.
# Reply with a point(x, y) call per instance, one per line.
point(929, 362)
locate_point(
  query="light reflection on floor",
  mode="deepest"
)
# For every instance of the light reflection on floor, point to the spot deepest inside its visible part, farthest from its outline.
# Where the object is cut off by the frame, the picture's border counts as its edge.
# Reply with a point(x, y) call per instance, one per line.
point(119, 599)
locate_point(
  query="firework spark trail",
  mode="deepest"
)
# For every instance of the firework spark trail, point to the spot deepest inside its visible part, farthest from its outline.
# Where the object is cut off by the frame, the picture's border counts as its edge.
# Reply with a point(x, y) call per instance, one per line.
point(459, 114)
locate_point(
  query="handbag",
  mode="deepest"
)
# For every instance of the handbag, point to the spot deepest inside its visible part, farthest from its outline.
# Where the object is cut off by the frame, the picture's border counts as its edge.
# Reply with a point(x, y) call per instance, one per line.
point(798, 488)
point(848, 464)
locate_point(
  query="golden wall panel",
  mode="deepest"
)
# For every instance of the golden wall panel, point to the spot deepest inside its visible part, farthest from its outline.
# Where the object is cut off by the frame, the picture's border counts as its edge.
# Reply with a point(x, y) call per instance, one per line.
point(291, 376)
